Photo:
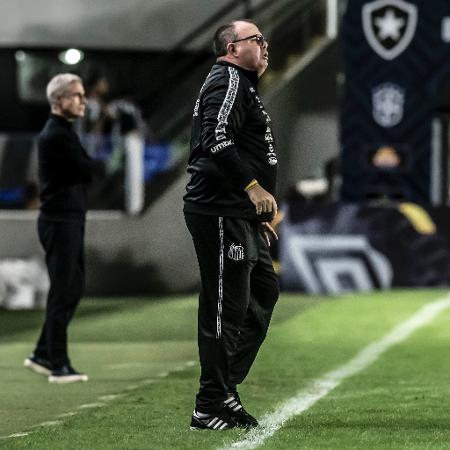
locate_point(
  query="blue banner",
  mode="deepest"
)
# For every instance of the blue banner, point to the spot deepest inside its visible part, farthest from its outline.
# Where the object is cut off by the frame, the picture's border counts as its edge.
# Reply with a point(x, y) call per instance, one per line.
point(397, 60)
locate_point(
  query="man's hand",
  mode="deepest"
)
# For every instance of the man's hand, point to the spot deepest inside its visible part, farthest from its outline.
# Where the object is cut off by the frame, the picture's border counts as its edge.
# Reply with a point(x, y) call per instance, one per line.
point(269, 232)
point(264, 201)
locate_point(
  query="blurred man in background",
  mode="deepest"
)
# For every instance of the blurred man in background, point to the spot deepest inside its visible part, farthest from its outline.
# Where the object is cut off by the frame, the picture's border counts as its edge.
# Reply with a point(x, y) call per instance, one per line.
point(64, 170)
point(96, 124)
point(228, 205)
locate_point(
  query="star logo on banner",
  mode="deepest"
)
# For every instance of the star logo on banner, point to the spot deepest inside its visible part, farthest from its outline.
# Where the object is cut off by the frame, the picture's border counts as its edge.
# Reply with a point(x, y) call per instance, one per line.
point(389, 25)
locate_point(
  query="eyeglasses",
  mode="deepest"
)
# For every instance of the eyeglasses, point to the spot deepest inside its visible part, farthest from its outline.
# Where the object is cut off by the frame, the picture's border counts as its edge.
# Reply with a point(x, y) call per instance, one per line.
point(76, 94)
point(259, 38)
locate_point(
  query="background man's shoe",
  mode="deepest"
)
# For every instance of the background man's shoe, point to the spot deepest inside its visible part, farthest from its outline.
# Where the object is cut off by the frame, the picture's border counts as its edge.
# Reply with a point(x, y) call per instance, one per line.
point(214, 421)
point(237, 411)
point(66, 374)
point(41, 366)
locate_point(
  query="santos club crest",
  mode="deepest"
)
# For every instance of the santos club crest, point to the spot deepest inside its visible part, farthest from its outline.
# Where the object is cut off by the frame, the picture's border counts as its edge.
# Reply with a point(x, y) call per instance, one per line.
point(389, 26)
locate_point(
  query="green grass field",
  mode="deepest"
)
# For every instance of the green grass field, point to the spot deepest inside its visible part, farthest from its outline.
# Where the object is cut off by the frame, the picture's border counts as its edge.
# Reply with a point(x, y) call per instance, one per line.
point(141, 357)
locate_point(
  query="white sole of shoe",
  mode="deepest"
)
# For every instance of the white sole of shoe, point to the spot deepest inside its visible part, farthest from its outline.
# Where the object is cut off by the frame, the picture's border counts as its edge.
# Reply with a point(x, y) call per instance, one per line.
point(41, 370)
point(67, 379)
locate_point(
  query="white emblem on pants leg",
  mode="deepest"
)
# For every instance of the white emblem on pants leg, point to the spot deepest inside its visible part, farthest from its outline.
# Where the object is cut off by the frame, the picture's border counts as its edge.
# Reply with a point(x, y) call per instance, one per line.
point(236, 252)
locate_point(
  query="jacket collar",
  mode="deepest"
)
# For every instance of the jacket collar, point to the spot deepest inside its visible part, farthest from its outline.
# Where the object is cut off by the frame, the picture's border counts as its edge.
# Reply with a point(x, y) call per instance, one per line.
point(251, 75)
point(61, 120)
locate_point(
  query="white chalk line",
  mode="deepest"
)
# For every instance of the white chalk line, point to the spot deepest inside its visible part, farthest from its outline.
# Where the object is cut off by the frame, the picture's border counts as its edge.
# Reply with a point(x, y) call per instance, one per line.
point(20, 434)
point(92, 405)
point(49, 423)
point(319, 388)
point(103, 400)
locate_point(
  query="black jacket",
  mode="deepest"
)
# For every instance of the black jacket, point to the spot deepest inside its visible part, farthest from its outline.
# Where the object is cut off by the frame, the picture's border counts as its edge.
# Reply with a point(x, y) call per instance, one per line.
point(231, 144)
point(64, 170)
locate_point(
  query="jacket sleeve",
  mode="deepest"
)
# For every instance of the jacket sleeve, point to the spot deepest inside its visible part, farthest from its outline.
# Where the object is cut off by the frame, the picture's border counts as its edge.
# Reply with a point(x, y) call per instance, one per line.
point(224, 111)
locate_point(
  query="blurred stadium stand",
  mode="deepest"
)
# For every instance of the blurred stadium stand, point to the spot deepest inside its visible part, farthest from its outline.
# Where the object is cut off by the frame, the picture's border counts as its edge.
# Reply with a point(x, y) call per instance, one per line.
point(391, 227)
point(156, 53)
point(359, 116)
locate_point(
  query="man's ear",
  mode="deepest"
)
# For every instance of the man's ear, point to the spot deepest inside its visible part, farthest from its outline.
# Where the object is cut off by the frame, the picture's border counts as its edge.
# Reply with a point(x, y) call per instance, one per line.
point(232, 49)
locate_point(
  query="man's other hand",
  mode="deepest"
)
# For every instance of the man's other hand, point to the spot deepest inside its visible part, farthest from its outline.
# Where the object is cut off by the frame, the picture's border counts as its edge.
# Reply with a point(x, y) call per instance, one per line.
point(264, 201)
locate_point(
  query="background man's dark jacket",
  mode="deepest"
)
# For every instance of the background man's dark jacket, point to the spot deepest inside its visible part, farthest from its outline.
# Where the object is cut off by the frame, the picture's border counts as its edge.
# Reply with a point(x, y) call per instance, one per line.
point(64, 170)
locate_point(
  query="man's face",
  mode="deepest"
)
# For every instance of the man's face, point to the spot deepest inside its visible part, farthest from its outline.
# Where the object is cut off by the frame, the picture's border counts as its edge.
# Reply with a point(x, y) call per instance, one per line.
point(251, 53)
point(72, 103)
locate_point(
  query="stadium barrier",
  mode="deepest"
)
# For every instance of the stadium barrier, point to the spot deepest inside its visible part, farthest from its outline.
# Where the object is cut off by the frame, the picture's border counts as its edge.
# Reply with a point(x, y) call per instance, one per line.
point(349, 247)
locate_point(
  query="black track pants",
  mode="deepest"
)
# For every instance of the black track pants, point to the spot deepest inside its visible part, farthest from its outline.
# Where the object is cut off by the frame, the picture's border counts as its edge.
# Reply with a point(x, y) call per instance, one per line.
point(238, 294)
point(63, 245)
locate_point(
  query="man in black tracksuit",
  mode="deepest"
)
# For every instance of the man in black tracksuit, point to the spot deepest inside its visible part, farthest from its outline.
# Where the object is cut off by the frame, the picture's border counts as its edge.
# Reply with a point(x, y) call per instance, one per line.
point(64, 170)
point(228, 206)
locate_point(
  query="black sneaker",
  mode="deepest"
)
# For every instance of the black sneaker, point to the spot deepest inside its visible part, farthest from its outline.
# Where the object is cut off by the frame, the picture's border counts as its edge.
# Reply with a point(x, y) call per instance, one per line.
point(214, 421)
point(41, 366)
point(66, 374)
point(237, 411)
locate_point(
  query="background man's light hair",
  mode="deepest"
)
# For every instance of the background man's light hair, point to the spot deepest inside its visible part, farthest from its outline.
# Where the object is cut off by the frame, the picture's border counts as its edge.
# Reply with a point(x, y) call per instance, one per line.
point(57, 86)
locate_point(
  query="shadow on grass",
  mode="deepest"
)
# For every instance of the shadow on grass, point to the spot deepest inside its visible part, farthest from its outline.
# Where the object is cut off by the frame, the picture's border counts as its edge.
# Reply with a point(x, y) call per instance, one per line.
point(15, 322)
point(168, 318)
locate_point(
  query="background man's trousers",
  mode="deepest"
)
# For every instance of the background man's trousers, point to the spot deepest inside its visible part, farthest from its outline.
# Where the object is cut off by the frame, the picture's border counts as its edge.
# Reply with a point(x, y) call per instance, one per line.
point(238, 294)
point(63, 242)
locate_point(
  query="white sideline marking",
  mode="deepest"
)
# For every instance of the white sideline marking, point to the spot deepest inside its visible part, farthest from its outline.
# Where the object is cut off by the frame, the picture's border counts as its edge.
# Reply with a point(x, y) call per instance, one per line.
point(130, 365)
point(15, 435)
point(91, 405)
point(110, 397)
point(103, 398)
point(67, 414)
point(49, 423)
point(319, 388)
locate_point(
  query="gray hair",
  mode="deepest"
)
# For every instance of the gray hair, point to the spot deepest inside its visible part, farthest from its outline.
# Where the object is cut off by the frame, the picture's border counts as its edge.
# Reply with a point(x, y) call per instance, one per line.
point(57, 86)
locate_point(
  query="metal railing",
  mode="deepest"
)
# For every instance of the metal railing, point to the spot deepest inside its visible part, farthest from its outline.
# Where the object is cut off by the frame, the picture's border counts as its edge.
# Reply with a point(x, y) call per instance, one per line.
point(124, 166)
